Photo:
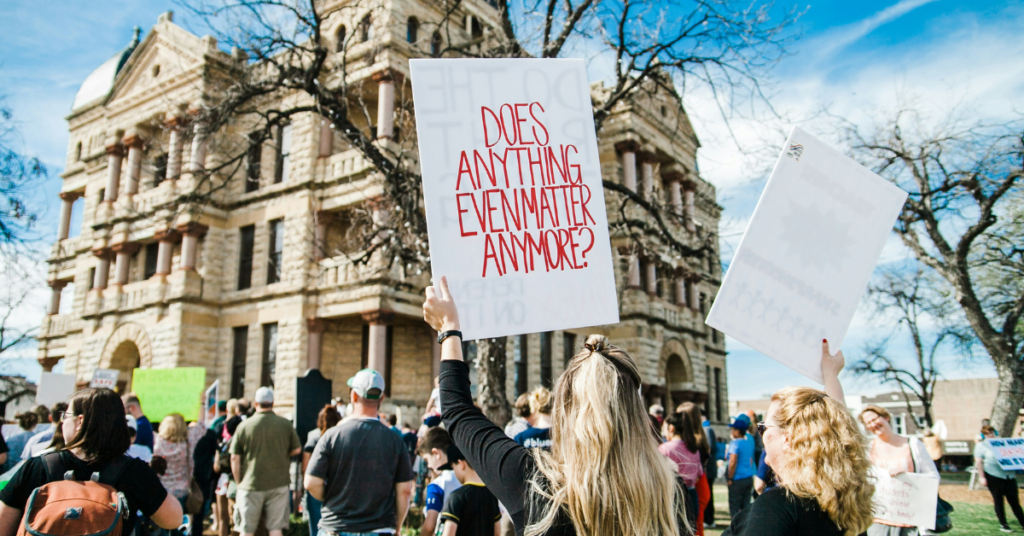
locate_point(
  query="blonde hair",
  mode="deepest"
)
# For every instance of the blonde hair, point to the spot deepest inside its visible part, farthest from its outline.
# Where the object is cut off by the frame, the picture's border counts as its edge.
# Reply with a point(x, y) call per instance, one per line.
point(540, 401)
point(827, 459)
point(604, 470)
point(232, 407)
point(173, 428)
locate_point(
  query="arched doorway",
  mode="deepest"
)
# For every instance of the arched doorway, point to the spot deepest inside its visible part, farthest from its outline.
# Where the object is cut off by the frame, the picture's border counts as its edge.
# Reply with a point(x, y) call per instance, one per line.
point(127, 349)
point(676, 381)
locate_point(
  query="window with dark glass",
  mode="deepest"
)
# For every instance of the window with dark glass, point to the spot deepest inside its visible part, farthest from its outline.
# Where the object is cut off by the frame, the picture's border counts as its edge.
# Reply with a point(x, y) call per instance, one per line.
point(152, 253)
point(159, 169)
point(276, 249)
point(283, 140)
point(269, 355)
point(568, 347)
point(365, 29)
point(522, 380)
point(247, 243)
point(718, 394)
point(253, 157)
point(412, 29)
point(435, 45)
point(707, 401)
point(339, 39)
point(545, 359)
point(239, 350)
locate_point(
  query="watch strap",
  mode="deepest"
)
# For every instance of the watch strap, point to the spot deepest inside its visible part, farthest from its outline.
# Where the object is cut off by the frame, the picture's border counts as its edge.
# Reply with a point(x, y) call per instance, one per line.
point(445, 334)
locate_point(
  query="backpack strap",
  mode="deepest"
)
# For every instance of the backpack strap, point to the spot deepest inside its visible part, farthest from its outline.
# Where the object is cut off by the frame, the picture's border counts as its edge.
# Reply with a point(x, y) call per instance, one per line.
point(55, 463)
point(112, 473)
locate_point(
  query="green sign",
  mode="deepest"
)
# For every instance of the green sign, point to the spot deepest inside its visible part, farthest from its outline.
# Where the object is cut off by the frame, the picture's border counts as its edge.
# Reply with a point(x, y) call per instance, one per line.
point(166, 391)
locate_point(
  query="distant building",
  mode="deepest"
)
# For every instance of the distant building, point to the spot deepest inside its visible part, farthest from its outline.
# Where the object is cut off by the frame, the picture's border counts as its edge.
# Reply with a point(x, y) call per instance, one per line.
point(17, 394)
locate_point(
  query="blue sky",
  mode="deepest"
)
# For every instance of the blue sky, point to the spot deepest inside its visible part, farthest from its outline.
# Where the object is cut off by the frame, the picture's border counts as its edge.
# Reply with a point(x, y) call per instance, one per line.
point(856, 58)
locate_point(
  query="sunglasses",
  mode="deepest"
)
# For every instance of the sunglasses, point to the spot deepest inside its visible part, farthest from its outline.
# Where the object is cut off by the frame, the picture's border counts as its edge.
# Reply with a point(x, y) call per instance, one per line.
point(761, 427)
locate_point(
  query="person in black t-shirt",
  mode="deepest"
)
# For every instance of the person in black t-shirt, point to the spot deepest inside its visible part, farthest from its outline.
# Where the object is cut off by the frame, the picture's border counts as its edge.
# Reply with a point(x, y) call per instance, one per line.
point(817, 452)
point(471, 510)
point(97, 434)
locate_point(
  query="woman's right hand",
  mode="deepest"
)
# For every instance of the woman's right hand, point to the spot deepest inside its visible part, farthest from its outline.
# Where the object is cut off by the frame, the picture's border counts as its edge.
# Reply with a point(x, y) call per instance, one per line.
point(439, 309)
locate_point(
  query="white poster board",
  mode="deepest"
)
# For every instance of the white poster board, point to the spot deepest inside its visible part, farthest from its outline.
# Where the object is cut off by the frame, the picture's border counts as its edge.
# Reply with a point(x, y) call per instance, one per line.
point(907, 498)
point(1009, 451)
point(54, 388)
point(104, 378)
point(804, 262)
point(512, 187)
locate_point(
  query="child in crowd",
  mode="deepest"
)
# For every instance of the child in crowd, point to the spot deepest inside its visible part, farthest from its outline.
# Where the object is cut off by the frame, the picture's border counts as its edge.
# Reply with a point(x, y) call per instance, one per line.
point(471, 510)
point(433, 448)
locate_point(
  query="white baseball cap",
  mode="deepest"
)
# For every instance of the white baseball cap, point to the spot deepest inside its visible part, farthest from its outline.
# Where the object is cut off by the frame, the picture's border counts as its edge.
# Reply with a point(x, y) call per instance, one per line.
point(264, 395)
point(364, 381)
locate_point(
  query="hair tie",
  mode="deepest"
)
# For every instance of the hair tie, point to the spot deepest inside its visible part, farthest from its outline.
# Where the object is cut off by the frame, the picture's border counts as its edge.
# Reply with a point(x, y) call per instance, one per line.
point(590, 347)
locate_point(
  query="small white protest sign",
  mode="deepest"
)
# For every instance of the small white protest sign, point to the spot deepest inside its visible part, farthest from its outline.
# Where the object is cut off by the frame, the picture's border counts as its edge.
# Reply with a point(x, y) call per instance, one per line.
point(513, 193)
point(54, 388)
point(104, 378)
point(807, 255)
point(907, 498)
point(1009, 452)
point(210, 401)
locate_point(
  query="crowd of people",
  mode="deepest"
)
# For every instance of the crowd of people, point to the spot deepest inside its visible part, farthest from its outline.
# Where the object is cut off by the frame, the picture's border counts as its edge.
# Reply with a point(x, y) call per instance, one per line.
point(586, 457)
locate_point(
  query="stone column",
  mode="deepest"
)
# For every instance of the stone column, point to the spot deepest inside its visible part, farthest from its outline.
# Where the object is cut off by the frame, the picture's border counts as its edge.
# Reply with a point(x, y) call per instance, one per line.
point(377, 358)
point(385, 104)
point(102, 268)
point(647, 167)
point(134, 144)
point(177, 138)
point(326, 139)
point(197, 162)
point(628, 150)
point(56, 287)
point(115, 153)
point(315, 329)
point(67, 202)
point(165, 250)
point(652, 278)
point(323, 220)
point(634, 271)
point(691, 222)
point(694, 295)
point(680, 288)
point(189, 244)
point(48, 363)
point(123, 252)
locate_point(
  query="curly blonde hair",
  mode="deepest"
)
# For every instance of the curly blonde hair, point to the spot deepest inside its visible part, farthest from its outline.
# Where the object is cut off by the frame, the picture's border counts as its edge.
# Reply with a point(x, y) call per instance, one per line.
point(604, 471)
point(827, 458)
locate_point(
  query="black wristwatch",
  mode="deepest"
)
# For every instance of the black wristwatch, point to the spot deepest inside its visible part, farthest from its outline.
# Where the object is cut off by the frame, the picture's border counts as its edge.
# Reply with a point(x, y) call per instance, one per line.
point(445, 334)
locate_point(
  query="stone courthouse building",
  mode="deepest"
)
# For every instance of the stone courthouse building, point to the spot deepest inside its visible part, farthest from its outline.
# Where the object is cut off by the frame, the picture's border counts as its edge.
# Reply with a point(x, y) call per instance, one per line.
point(257, 285)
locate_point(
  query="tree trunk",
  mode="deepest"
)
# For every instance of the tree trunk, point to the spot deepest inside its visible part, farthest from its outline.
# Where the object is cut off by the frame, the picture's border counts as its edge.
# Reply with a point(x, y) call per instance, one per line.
point(1008, 400)
point(490, 363)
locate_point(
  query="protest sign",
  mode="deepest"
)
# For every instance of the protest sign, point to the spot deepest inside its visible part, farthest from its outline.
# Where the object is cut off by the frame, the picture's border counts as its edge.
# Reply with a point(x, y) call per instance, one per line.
point(54, 388)
point(210, 401)
point(513, 193)
point(1009, 452)
point(907, 498)
point(104, 378)
point(804, 262)
point(165, 391)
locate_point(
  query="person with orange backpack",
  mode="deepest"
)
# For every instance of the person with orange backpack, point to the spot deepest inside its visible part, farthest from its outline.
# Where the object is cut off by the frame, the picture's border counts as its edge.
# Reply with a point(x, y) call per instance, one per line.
point(91, 486)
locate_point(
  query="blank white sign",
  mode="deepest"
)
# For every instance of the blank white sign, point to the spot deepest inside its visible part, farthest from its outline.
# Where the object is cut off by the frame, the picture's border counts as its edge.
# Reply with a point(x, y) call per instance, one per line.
point(807, 255)
point(54, 388)
point(512, 187)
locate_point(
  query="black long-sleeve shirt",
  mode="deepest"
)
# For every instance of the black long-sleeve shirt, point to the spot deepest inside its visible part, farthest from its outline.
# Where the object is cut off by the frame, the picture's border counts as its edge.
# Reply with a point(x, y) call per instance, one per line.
point(779, 513)
point(504, 465)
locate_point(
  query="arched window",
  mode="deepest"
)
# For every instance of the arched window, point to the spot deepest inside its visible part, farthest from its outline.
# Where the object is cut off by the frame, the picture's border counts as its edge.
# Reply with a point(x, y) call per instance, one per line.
point(339, 39)
point(476, 31)
point(412, 30)
point(78, 152)
point(435, 45)
point(365, 29)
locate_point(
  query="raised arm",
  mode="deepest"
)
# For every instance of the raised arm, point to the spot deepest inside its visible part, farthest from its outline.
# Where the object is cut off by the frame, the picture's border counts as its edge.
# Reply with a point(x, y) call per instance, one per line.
point(504, 465)
point(831, 365)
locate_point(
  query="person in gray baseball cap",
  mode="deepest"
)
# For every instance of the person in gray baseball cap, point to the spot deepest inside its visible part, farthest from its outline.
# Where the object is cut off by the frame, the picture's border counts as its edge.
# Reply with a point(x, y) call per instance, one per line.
point(360, 469)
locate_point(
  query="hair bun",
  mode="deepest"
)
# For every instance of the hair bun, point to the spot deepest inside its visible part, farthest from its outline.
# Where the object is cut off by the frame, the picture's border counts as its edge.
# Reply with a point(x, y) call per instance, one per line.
point(596, 343)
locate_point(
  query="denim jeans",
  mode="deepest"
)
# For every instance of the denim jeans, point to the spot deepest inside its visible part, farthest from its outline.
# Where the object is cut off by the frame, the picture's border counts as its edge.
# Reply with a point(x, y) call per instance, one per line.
point(313, 511)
